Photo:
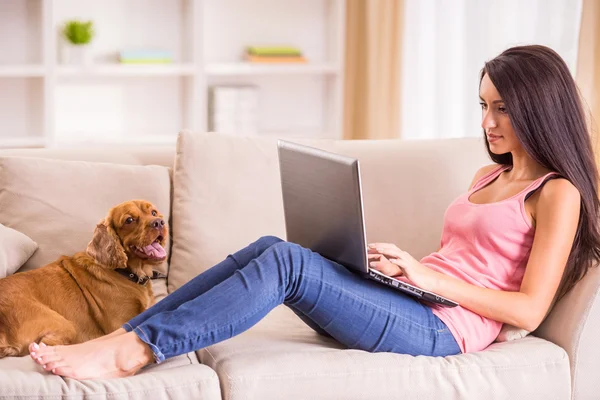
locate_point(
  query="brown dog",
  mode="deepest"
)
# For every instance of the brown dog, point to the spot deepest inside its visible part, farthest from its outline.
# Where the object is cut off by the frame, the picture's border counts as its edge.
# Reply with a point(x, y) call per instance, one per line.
point(90, 294)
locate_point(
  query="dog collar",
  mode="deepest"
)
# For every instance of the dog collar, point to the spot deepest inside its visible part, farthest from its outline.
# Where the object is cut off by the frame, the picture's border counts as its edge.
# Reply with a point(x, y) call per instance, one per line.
point(127, 273)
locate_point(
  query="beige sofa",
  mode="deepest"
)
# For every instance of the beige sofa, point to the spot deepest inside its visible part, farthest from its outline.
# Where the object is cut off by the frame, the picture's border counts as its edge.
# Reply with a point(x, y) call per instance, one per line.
point(225, 193)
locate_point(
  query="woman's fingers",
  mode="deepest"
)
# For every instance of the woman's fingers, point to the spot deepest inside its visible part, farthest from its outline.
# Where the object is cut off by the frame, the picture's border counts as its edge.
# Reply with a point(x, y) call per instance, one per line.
point(390, 253)
point(382, 264)
point(385, 248)
point(398, 262)
point(385, 268)
point(377, 259)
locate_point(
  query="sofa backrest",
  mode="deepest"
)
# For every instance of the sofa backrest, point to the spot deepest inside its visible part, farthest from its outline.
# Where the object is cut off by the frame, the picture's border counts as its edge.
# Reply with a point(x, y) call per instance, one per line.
point(227, 193)
point(130, 155)
point(57, 196)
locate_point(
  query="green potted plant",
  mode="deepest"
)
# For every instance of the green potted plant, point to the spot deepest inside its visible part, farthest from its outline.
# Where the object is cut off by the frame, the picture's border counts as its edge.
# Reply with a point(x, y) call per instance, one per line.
point(77, 38)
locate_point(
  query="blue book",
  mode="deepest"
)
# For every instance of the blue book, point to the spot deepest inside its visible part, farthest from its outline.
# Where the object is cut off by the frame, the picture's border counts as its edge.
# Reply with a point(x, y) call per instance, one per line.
point(140, 56)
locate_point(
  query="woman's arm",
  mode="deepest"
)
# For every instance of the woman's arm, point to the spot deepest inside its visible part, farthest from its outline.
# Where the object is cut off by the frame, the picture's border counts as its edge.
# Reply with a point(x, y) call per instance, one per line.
point(557, 216)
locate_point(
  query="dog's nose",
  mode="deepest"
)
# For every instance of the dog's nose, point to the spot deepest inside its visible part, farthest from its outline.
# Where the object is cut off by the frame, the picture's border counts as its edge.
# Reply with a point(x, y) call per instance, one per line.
point(157, 223)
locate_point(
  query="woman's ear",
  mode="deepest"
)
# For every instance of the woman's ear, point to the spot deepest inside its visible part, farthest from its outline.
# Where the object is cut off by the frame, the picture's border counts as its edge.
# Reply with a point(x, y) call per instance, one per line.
point(106, 248)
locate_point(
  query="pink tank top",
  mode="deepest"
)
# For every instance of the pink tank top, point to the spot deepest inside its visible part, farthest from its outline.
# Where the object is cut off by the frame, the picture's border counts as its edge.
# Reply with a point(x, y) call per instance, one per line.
point(487, 245)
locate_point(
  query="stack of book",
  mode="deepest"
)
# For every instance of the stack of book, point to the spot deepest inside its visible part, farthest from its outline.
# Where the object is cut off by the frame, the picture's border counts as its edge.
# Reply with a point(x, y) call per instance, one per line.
point(274, 54)
point(145, 57)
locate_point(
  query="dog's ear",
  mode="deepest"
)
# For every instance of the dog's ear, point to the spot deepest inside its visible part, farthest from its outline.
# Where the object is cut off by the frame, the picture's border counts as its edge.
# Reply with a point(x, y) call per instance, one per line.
point(106, 248)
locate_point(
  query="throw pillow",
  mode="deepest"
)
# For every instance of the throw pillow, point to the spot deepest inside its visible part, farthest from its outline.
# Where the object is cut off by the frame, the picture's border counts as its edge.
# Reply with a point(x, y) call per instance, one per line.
point(15, 249)
point(509, 332)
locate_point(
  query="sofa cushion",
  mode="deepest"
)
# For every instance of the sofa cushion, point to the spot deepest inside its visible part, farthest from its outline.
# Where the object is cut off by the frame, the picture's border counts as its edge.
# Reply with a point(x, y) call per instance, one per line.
point(15, 249)
point(181, 378)
point(58, 203)
point(281, 358)
point(159, 288)
point(227, 193)
point(177, 378)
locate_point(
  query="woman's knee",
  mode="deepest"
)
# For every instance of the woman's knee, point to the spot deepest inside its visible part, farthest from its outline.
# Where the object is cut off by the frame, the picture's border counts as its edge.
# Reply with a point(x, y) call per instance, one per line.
point(266, 242)
point(290, 256)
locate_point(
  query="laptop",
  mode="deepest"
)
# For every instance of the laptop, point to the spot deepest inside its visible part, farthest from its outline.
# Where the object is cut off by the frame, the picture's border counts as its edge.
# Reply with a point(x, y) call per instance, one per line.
point(323, 207)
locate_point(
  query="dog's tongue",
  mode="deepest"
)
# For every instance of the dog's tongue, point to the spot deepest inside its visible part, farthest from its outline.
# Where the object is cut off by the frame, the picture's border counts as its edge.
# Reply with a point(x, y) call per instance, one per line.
point(155, 250)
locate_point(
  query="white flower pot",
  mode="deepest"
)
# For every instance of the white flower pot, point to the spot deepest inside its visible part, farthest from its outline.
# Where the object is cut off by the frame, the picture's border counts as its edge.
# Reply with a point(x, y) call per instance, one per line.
point(76, 54)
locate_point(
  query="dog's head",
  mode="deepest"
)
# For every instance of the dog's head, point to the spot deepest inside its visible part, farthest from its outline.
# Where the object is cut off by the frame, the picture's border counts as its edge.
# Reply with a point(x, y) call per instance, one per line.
point(134, 233)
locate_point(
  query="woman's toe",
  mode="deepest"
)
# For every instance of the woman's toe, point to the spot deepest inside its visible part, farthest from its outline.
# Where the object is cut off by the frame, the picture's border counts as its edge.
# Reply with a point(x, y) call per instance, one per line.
point(33, 348)
point(46, 358)
point(62, 371)
point(53, 365)
point(39, 360)
point(44, 351)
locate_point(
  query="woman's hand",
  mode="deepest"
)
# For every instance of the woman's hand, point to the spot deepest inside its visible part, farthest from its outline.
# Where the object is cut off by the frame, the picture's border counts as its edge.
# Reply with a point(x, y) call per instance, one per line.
point(382, 264)
point(390, 260)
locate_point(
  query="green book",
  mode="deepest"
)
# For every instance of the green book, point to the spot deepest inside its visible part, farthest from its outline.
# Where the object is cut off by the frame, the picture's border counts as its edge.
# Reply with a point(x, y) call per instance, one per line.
point(274, 51)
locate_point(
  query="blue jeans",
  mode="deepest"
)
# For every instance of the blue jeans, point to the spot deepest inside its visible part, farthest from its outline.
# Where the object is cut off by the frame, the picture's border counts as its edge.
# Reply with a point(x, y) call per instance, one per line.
point(235, 294)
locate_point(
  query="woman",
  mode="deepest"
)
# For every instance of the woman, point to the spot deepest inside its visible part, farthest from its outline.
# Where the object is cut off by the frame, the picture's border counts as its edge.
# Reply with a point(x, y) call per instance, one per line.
point(527, 221)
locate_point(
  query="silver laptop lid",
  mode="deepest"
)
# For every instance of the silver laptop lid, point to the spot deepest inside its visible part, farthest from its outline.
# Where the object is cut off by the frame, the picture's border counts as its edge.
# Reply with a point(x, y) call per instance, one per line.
point(322, 202)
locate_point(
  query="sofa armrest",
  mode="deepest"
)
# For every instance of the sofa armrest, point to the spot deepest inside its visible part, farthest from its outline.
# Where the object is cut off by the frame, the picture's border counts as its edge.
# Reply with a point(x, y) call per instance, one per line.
point(574, 324)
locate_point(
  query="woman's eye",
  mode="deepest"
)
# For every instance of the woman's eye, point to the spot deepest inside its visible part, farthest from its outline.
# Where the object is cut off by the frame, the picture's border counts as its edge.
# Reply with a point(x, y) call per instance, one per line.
point(483, 106)
point(129, 220)
point(502, 110)
point(154, 213)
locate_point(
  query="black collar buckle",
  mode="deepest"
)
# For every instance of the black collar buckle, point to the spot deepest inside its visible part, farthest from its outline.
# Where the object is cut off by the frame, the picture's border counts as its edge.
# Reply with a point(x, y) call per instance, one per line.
point(127, 273)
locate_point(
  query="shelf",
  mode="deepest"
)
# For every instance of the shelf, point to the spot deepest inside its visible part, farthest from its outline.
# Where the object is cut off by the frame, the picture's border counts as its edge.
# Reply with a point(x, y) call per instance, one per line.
point(127, 70)
point(21, 71)
point(8, 143)
point(242, 68)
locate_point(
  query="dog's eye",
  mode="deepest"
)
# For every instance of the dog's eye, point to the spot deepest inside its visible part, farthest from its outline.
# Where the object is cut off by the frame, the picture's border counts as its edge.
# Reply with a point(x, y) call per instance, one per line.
point(154, 213)
point(129, 220)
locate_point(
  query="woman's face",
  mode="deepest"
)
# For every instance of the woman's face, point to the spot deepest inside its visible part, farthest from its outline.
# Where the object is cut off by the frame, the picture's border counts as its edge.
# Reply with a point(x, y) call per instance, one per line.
point(495, 120)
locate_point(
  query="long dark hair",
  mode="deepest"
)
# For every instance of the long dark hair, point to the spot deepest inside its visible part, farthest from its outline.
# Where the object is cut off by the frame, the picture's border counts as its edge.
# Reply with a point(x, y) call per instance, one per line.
point(546, 113)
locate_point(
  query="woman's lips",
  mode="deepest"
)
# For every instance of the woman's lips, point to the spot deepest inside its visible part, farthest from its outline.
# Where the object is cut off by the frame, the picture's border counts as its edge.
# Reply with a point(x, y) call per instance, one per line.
point(493, 138)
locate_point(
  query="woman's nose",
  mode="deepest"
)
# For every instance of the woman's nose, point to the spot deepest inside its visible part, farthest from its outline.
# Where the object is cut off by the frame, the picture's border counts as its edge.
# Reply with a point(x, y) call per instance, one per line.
point(488, 121)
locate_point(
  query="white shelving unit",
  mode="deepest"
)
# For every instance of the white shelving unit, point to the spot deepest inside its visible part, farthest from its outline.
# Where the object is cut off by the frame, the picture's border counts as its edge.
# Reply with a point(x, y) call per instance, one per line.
point(239, 69)
point(20, 71)
point(46, 103)
point(127, 70)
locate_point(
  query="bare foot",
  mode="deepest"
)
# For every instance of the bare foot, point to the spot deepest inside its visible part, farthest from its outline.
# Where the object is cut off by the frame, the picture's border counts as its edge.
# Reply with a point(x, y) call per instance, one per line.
point(118, 356)
point(33, 347)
